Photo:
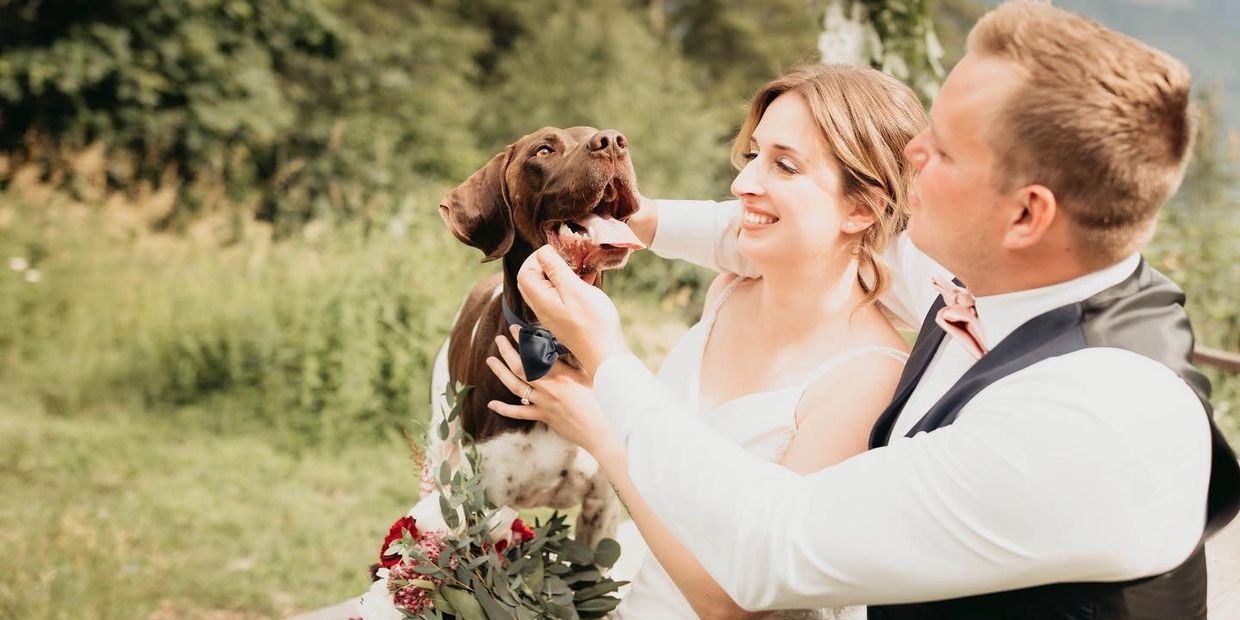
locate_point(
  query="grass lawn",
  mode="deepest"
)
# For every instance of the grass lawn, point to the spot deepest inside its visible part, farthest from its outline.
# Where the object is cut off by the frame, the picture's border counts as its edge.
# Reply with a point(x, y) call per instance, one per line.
point(131, 516)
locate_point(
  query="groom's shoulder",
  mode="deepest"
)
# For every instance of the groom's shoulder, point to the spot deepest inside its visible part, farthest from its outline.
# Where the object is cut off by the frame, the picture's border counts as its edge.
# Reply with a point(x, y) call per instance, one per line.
point(1111, 384)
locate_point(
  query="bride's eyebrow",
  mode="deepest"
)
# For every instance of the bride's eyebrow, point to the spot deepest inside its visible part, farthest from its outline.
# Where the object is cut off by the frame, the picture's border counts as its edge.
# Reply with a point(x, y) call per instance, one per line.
point(787, 149)
point(792, 150)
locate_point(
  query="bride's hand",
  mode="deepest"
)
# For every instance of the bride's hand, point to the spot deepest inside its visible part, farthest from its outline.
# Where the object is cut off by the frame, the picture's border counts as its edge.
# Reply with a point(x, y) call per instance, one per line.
point(563, 399)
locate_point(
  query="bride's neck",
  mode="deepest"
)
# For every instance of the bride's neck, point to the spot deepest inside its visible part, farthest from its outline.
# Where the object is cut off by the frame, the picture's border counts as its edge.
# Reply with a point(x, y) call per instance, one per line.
point(799, 298)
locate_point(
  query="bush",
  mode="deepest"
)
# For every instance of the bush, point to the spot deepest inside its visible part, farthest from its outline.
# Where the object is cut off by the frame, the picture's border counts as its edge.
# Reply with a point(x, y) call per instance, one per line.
point(330, 335)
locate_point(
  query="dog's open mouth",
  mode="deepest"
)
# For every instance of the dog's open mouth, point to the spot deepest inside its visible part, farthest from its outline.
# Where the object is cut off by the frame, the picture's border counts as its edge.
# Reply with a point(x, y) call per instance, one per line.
point(597, 240)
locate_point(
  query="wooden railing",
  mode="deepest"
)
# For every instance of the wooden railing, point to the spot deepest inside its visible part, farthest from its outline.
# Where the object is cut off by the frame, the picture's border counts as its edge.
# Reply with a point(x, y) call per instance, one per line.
point(1205, 356)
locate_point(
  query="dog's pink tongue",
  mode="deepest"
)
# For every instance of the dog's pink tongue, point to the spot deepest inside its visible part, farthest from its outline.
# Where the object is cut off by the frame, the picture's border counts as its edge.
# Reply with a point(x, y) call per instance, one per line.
point(610, 231)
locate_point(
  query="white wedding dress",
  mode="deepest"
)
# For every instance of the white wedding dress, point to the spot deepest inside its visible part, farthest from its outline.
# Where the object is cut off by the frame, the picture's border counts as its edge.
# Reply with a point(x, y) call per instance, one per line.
point(763, 423)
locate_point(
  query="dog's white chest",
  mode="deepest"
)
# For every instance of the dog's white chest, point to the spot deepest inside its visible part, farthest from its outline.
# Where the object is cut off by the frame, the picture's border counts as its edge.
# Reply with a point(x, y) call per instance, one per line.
point(538, 468)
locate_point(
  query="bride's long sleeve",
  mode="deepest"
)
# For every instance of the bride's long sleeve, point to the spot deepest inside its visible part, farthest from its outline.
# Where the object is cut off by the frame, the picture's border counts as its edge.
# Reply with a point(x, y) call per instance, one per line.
point(704, 232)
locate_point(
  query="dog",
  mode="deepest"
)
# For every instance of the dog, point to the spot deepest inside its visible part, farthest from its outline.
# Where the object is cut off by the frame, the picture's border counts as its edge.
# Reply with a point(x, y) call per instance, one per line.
point(574, 189)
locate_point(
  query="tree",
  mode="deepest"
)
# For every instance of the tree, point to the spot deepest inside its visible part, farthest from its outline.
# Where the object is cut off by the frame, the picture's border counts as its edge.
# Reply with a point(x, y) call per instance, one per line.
point(569, 72)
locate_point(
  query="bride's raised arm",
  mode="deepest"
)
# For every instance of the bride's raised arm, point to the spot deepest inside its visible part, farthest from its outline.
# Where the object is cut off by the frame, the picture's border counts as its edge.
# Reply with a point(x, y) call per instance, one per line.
point(704, 232)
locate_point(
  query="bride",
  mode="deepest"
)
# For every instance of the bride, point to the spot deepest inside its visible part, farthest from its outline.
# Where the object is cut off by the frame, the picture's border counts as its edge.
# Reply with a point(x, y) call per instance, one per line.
point(793, 365)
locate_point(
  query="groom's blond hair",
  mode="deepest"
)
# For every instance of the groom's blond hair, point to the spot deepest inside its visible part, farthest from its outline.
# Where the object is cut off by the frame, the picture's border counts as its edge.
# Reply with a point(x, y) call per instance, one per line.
point(1101, 119)
point(865, 117)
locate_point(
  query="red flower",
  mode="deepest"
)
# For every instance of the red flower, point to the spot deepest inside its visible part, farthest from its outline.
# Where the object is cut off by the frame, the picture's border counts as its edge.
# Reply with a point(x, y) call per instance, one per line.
point(521, 532)
point(394, 534)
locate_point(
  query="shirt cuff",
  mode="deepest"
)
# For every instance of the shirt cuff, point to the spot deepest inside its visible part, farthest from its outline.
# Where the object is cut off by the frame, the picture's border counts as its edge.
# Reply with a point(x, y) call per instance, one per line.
point(685, 230)
point(627, 392)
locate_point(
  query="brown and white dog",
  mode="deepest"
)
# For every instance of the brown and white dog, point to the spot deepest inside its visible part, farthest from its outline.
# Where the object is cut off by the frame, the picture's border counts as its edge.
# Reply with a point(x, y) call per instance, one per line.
point(573, 188)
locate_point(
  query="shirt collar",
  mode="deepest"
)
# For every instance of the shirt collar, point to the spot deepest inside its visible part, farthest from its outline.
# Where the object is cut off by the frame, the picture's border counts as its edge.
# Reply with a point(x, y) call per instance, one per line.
point(1001, 314)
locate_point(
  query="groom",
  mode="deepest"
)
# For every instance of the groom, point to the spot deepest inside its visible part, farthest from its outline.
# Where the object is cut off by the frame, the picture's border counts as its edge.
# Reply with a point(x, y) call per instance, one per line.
point(1063, 464)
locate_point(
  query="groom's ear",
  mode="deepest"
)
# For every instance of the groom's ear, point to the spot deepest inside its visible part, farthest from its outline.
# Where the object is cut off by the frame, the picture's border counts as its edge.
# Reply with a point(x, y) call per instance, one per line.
point(1033, 210)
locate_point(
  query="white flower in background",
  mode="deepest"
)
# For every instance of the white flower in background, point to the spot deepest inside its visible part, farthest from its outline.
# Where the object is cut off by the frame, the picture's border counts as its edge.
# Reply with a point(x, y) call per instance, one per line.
point(33, 276)
point(377, 603)
point(428, 515)
point(18, 263)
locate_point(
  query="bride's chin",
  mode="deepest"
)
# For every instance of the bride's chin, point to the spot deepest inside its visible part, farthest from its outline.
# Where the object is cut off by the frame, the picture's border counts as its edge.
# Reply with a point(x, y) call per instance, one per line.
point(754, 249)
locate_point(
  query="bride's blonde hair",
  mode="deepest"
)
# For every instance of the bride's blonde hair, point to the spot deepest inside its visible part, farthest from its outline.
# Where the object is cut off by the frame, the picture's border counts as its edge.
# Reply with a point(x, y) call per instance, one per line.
point(865, 117)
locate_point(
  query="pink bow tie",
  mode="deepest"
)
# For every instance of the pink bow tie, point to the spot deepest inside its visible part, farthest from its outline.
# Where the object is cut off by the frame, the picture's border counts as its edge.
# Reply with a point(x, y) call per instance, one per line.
point(959, 317)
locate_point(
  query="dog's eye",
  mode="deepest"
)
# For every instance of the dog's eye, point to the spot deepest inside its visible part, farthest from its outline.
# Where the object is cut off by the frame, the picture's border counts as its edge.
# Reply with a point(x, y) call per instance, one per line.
point(543, 151)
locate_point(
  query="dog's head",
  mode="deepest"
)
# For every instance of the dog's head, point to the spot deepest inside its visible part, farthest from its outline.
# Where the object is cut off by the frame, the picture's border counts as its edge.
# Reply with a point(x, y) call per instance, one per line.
point(573, 188)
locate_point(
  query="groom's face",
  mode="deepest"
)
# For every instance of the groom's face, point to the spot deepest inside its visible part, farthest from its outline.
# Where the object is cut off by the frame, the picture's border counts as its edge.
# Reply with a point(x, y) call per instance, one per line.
point(958, 214)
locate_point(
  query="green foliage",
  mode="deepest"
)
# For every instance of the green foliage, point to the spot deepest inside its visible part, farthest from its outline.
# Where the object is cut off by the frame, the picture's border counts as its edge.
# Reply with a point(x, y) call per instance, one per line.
point(332, 335)
point(618, 77)
point(739, 45)
point(192, 83)
point(1198, 246)
point(548, 576)
point(911, 49)
point(397, 108)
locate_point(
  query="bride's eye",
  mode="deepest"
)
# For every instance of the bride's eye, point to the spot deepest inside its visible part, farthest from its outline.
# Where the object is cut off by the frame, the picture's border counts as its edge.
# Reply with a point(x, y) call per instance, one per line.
point(787, 166)
point(749, 155)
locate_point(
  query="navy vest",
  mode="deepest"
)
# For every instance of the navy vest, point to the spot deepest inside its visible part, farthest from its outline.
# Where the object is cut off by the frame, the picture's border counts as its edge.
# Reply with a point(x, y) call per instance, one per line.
point(1143, 314)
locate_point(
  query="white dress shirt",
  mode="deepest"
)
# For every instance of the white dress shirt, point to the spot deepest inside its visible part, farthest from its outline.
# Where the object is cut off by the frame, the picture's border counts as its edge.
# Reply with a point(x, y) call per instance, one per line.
point(1090, 466)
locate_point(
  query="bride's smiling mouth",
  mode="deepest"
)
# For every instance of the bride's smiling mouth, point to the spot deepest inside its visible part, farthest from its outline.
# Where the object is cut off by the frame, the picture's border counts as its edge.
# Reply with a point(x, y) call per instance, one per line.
point(754, 220)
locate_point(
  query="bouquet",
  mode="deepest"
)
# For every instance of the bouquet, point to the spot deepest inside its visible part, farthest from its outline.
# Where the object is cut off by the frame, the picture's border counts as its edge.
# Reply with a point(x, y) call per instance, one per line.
point(455, 556)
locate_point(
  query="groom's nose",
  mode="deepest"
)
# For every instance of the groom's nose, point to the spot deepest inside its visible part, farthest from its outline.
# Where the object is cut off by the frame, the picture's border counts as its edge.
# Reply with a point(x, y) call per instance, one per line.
point(915, 150)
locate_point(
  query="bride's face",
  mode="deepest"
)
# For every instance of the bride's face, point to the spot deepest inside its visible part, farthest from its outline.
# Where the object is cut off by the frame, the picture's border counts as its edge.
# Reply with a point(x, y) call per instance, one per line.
point(791, 190)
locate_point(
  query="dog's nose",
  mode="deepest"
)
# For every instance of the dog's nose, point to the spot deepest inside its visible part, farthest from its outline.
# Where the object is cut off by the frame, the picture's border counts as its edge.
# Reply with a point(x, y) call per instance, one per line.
point(608, 141)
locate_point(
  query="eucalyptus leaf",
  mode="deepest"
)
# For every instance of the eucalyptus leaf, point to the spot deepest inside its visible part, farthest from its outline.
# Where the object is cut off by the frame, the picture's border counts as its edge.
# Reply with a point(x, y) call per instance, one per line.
point(598, 605)
point(562, 612)
point(445, 473)
point(493, 609)
point(449, 513)
point(597, 590)
point(606, 553)
point(440, 602)
point(589, 574)
point(464, 603)
point(534, 577)
point(576, 552)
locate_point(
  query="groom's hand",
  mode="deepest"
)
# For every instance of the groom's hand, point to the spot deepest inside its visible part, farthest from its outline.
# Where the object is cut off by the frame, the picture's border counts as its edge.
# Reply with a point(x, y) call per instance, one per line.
point(580, 315)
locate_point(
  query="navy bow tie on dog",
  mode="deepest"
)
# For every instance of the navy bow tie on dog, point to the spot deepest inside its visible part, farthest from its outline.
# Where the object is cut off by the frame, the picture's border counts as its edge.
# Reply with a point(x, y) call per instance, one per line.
point(539, 349)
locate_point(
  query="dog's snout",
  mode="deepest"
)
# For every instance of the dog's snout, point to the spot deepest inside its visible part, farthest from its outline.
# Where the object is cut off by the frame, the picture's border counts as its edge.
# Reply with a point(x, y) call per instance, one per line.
point(608, 142)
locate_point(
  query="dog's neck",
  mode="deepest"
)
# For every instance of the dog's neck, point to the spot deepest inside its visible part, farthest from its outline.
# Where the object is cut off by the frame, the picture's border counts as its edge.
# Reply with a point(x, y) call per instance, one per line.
point(512, 295)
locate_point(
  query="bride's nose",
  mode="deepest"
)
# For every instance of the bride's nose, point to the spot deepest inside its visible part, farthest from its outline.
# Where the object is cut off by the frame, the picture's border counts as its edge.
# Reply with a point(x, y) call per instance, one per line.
point(747, 182)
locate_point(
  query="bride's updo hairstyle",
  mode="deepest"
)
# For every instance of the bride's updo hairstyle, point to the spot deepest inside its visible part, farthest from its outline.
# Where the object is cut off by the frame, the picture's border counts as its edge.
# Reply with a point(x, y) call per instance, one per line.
point(865, 118)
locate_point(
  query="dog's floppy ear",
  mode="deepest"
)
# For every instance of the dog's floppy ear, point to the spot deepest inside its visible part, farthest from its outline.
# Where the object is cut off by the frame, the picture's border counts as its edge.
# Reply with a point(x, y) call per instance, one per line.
point(478, 212)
